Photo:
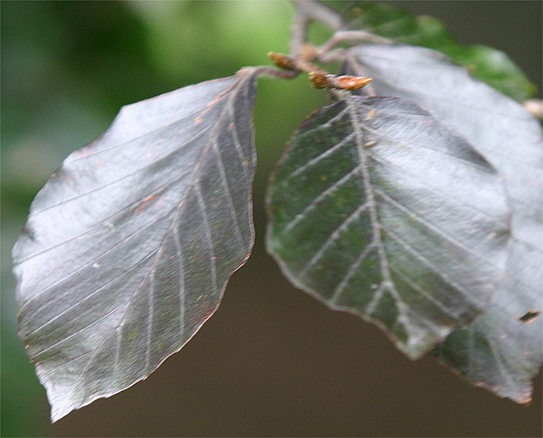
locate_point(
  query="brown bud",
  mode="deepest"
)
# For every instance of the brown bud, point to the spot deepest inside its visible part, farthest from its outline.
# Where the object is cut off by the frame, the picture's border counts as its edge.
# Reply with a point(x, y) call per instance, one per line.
point(318, 80)
point(282, 61)
point(350, 82)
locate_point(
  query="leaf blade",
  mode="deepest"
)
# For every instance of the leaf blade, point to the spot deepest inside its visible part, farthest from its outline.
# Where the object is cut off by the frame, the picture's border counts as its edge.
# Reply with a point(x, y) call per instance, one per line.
point(152, 226)
point(510, 138)
point(348, 159)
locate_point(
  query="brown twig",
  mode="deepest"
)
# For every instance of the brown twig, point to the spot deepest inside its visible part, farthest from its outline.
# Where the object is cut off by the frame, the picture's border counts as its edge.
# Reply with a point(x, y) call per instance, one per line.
point(265, 70)
point(308, 11)
point(352, 36)
point(318, 77)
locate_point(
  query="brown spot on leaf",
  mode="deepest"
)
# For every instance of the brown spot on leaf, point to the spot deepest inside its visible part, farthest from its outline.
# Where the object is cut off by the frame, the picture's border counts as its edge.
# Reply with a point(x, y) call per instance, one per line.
point(529, 316)
point(144, 203)
point(371, 114)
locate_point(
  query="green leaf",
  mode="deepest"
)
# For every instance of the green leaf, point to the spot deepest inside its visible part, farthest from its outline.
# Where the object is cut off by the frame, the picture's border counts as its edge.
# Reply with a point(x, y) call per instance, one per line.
point(499, 351)
point(398, 25)
point(485, 63)
point(130, 244)
point(379, 209)
point(493, 67)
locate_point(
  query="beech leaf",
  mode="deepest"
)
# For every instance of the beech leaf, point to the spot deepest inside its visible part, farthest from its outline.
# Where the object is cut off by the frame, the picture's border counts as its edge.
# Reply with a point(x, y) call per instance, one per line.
point(500, 350)
point(379, 209)
point(130, 244)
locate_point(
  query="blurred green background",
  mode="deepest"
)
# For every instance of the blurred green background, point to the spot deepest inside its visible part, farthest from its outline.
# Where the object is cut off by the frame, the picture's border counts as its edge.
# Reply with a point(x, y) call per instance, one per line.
point(272, 361)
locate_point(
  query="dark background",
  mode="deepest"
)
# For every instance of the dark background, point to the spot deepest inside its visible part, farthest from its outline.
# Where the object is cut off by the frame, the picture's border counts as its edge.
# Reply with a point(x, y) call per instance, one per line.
point(272, 361)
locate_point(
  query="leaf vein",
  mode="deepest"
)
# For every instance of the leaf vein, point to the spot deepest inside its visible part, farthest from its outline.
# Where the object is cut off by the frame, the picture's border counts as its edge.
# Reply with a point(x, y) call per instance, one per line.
point(108, 219)
point(207, 232)
point(124, 240)
point(352, 269)
point(181, 258)
point(224, 182)
point(321, 156)
point(315, 201)
point(429, 264)
point(77, 332)
point(150, 319)
point(335, 235)
point(440, 232)
point(140, 169)
point(362, 152)
point(91, 294)
point(445, 195)
point(422, 291)
point(89, 155)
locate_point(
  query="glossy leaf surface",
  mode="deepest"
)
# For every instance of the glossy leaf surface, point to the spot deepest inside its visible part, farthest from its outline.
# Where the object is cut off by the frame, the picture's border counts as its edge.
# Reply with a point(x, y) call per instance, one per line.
point(487, 64)
point(499, 351)
point(379, 209)
point(130, 244)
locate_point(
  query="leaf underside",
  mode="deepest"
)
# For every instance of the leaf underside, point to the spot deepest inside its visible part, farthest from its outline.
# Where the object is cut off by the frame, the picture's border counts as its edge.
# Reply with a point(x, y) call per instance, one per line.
point(130, 244)
point(379, 209)
point(499, 350)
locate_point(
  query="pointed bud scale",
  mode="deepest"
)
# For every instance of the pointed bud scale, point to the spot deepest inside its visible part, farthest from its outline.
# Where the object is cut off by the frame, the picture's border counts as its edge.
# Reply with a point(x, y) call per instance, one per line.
point(350, 82)
point(319, 80)
point(282, 61)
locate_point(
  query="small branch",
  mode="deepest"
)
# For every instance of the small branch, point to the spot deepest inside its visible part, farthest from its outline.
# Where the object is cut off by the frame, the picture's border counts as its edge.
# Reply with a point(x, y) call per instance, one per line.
point(308, 11)
point(265, 70)
point(298, 34)
point(346, 57)
point(316, 11)
point(303, 52)
point(353, 36)
point(295, 63)
point(319, 77)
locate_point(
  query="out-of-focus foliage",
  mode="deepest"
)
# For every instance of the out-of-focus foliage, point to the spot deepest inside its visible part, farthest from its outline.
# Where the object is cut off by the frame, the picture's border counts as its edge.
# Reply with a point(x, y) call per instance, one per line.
point(485, 63)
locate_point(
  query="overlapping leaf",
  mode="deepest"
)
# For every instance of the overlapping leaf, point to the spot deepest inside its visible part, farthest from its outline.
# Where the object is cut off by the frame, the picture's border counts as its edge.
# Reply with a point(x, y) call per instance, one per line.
point(500, 350)
point(379, 209)
point(129, 245)
point(486, 63)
